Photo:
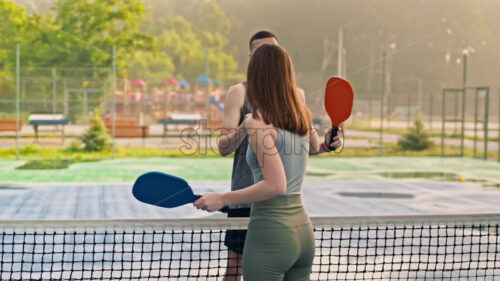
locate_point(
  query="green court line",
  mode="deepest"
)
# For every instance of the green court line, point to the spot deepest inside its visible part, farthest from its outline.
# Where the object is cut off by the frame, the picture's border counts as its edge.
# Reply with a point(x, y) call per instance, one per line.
point(219, 169)
point(119, 170)
point(369, 168)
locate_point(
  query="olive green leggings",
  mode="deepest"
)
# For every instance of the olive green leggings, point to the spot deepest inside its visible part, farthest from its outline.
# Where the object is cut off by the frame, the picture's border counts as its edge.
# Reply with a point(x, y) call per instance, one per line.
point(280, 241)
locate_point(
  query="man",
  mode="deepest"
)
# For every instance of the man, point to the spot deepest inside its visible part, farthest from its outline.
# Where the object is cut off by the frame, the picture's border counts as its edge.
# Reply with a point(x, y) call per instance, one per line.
point(234, 139)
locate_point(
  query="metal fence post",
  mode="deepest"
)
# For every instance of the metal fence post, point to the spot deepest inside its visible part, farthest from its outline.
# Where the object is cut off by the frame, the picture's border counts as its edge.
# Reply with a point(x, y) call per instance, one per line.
point(54, 90)
point(463, 123)
point(370, 112)
point(431, 112)
point(443, 117)
point(18, 70)
point(113, 107)
point(486, 119)
point(475, 121)
point(382, 101)
point(408, 118)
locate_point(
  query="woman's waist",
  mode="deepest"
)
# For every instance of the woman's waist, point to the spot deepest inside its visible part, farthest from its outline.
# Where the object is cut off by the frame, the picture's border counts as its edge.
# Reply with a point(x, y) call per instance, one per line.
point(282, 211)
point(283, 201)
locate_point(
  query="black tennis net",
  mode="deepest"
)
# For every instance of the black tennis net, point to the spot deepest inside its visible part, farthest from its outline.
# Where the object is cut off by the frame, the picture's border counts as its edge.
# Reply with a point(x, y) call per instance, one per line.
point(451, 247)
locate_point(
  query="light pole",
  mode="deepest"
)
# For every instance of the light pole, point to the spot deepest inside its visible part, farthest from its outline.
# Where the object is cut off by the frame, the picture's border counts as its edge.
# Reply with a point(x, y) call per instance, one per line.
point(383, 96)
point(341, 51)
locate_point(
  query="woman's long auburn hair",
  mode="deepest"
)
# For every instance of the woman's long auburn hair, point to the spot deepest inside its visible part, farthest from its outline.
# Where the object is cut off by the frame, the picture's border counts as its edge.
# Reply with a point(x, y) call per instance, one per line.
point(271, 90)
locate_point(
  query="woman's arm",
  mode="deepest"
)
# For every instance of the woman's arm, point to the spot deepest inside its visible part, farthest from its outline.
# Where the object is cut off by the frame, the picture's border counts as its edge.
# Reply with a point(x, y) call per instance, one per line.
point(263, 140)
point(323, 147)
point(314, 145)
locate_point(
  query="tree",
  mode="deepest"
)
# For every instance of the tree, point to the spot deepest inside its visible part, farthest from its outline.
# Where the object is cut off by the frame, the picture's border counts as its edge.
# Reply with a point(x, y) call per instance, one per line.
point(186, 30)
point(12, 31)
point(154, 66)
point(96, 137)
point(416, 138)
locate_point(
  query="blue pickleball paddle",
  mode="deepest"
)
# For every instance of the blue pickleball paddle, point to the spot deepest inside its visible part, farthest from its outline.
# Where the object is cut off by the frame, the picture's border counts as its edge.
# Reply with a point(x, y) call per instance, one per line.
point(164, 190)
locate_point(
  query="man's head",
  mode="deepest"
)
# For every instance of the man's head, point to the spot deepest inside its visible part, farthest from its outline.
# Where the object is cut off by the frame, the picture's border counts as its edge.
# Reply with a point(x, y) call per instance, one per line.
point(260, 38)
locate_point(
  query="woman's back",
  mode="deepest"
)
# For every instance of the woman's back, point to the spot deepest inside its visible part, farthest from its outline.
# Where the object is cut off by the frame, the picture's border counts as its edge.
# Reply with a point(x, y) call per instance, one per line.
point(293, 150)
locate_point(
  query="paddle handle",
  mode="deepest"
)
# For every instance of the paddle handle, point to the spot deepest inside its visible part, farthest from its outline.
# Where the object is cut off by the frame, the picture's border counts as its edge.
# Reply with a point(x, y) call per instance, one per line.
point(335, 132)
point(223, 210)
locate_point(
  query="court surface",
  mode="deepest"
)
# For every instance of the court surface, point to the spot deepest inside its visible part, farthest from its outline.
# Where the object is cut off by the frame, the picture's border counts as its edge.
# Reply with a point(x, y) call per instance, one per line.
point(333, 187)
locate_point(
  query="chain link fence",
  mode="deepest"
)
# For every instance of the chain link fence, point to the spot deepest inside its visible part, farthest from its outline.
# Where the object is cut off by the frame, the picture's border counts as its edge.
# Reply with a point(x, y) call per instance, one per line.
point(77, 93)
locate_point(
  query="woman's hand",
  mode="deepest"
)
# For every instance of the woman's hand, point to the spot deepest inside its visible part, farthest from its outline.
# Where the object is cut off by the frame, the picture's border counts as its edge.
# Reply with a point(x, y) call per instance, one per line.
point(337, 140)
point(249, 119)
point(244, 124)
point(210, 202)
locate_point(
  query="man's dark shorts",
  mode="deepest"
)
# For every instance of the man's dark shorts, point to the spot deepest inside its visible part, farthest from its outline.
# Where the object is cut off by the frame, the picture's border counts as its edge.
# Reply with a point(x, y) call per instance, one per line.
point(235, 239)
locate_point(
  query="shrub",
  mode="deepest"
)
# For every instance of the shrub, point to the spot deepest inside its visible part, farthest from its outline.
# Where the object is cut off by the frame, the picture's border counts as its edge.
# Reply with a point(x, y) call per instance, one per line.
point(30, 148)
point(46, 164)
point(95, 138)
point(416, 139)
point(73, 147)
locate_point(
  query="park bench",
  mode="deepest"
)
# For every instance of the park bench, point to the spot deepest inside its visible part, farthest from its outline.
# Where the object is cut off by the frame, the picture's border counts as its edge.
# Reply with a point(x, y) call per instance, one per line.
point(55, 120)
point(127, 129)
point(10, 125)
point(214, 124)
point(179, 119)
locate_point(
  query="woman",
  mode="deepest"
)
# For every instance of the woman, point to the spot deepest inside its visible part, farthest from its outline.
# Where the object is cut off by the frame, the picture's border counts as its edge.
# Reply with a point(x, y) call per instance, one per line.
point(280, 239)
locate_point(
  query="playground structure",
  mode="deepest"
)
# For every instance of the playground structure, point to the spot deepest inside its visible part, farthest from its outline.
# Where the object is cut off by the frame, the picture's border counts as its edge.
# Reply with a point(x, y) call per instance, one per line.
point(148, 105)
point(78, 93)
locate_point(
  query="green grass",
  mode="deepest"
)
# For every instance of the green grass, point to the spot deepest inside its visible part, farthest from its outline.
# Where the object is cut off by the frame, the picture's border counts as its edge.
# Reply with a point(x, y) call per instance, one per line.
point(391, 149)
point(47, 164)
point(34, 152)
point(50, 164)
point(361, 126)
